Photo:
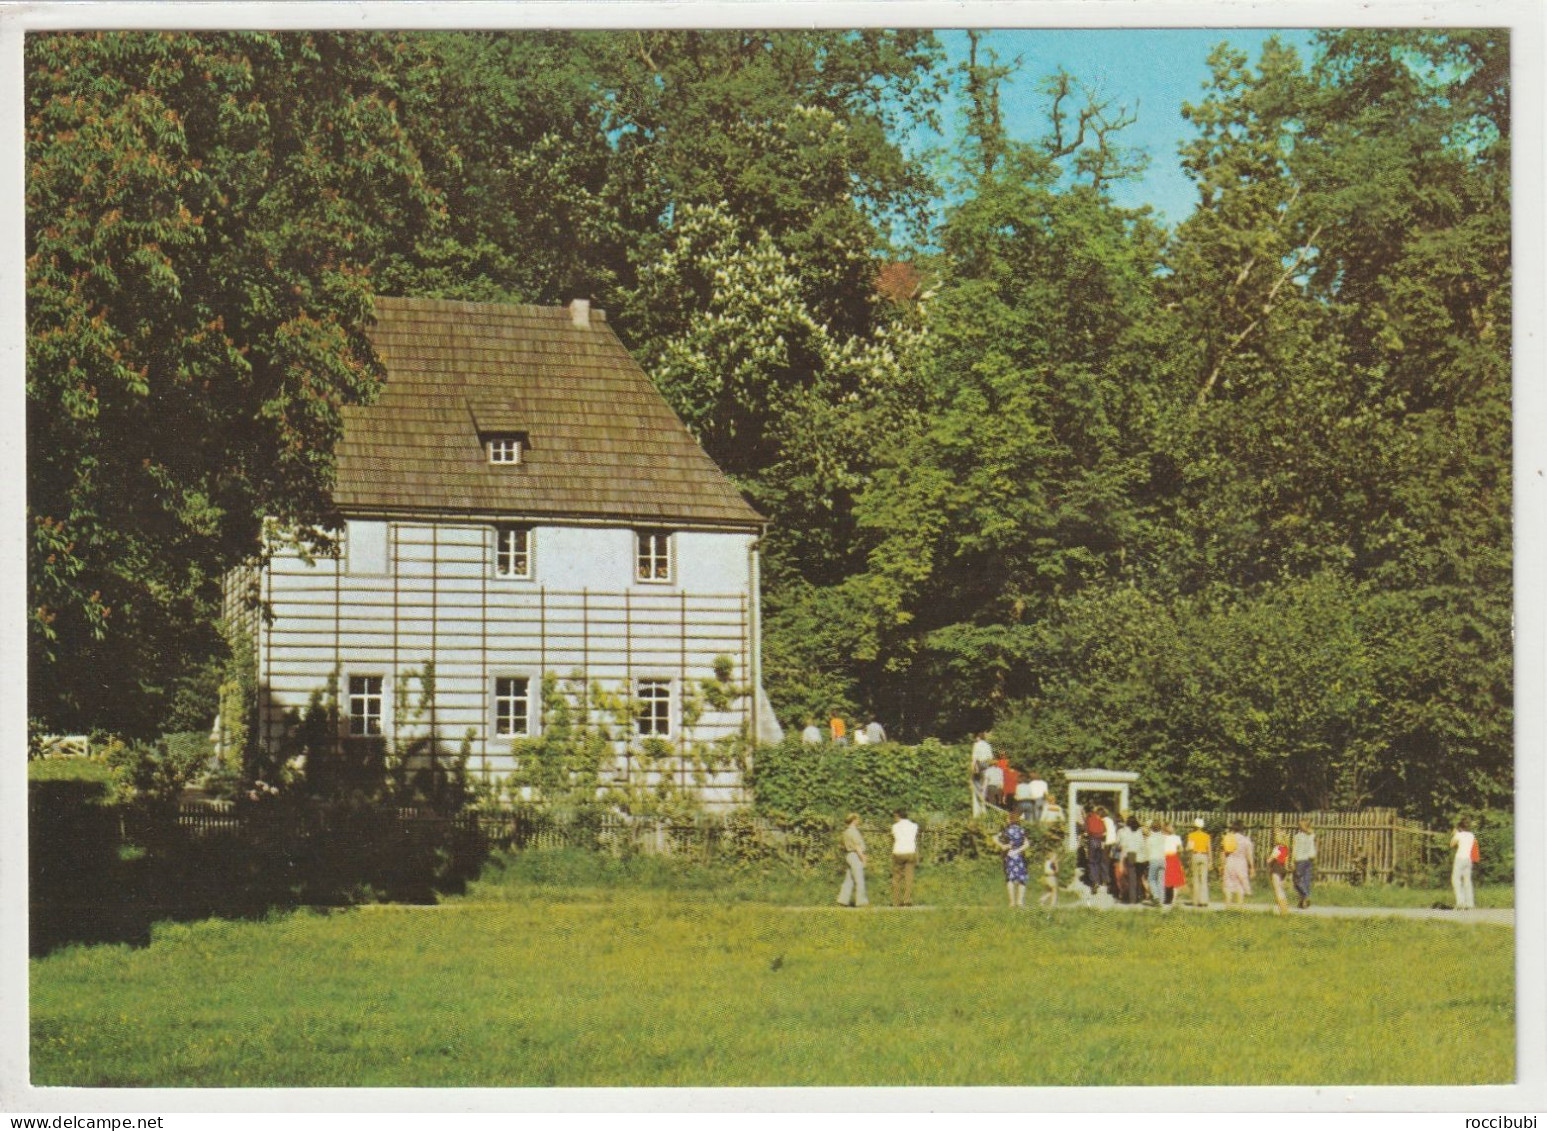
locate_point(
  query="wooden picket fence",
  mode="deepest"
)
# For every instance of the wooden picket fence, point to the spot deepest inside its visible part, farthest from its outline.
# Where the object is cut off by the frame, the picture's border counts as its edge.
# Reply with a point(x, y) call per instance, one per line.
point(1352, 846)
point(207, 818)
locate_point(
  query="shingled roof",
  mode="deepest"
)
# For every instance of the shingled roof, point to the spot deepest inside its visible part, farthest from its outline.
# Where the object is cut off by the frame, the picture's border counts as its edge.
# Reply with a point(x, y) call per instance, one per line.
point(599, 441)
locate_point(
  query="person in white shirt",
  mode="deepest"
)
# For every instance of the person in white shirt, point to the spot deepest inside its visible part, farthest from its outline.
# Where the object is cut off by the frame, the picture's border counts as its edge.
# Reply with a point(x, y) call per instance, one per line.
point(1303, 853)
point(861, 737)
point(1130, 842)
point(982, 758)
point(875, 732)
point(812, 735)
point(905, 858)
point(1036, 790)
point(1462, 840)
point(993, 785)
point(1155, 849)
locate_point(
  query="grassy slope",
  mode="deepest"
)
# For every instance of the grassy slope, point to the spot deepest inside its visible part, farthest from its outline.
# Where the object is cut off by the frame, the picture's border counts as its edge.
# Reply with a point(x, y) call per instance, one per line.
point(555, 973)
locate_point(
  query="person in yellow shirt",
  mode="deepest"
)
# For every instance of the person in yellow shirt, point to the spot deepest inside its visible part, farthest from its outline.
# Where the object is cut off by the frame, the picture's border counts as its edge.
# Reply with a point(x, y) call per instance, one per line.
point(838, 730)
point(1199, 845)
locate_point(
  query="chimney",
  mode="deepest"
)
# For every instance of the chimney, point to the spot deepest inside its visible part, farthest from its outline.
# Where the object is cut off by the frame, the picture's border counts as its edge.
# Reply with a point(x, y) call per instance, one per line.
point(580, 313)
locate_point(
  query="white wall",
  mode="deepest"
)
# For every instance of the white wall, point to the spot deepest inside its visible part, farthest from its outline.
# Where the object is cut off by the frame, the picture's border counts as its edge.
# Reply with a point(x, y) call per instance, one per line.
point(581, 557)
point(582, 610)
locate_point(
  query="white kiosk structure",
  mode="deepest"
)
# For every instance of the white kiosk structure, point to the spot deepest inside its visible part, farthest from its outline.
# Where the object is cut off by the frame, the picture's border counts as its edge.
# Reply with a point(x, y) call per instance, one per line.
point(1095, 781)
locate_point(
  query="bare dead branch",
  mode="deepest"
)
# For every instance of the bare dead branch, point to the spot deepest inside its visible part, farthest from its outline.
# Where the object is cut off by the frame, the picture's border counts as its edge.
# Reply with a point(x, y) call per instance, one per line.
point(1267, 309)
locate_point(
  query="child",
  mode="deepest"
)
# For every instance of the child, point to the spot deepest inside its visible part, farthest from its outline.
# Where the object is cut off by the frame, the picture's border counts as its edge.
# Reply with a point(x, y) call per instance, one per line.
point(1050, 881)
point(1276, 869)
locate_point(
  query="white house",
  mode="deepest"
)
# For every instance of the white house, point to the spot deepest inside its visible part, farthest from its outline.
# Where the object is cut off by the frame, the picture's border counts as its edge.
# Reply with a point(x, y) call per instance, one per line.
point(519, 501)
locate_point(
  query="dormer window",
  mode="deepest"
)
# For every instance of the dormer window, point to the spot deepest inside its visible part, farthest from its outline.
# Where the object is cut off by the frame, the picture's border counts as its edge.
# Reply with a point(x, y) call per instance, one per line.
point(504, 449)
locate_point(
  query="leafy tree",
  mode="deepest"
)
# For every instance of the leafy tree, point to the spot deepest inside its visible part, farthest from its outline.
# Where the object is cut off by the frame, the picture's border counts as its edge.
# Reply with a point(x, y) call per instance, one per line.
point(540, 207)
point(794, 133)
point(1270, 700)
point(1025, 481)
point(202, 215)
point(209, 214)
point(1340, 382)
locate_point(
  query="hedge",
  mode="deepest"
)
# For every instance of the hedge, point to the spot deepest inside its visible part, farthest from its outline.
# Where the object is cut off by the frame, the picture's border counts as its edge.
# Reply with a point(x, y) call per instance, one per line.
point(793, 781)
point(103, 870)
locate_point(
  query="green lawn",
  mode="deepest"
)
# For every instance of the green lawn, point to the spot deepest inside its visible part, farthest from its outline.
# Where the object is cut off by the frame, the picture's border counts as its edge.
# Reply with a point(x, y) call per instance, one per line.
point(560, 970)
point(1377, 895)
point(72, 769)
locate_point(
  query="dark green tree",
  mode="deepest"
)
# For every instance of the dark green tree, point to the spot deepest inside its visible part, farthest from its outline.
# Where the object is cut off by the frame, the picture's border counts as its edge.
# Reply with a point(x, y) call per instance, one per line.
point(202, 215)
point(1014, 477)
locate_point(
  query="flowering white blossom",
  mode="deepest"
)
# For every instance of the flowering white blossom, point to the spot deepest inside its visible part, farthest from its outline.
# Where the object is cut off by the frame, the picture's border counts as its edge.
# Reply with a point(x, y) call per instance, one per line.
point(747, 344)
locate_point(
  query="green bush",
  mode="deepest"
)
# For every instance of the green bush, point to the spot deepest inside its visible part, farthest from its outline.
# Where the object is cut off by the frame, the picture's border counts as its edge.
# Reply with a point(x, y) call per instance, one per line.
point(104, 868)
point(795, 781)
point(745, 845)
point(75, 871)
point(161, 769)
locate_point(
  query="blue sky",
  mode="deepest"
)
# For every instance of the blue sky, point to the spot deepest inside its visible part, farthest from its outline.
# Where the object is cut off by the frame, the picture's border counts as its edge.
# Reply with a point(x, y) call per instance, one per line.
point(1156, 69)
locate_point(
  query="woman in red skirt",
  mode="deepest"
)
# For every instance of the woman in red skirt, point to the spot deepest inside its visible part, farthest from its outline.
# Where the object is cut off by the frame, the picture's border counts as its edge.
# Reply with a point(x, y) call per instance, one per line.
point(1176, 877)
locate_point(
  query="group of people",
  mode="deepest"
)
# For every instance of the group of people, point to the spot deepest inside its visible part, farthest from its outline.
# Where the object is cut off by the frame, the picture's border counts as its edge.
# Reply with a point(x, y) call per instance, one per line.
point(1144, 862)
point(1131, 861)
point(1135, 862)
point(1013, 842)
point(872, 733)
point(997, 784)
point(905, 859)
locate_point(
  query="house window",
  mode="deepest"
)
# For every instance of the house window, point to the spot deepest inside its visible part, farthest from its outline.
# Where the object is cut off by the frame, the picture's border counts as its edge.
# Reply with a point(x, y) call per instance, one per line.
point(365, 547)
point(364, 705)
point(652, 558)
point(652, 718)
point(513, 551)
point(512, 706)
point(504, 449)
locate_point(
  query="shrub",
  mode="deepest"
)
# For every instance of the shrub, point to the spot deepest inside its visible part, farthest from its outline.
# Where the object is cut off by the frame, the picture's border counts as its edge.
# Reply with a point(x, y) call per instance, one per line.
point(792, 780)
point(573, 765)
point(160, 770)
point(105, 872)
point(74, 867)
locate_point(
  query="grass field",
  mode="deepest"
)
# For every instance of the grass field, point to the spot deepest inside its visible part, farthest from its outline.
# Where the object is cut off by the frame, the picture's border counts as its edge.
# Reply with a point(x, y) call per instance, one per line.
point(1377, 895)
point(565, 970)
